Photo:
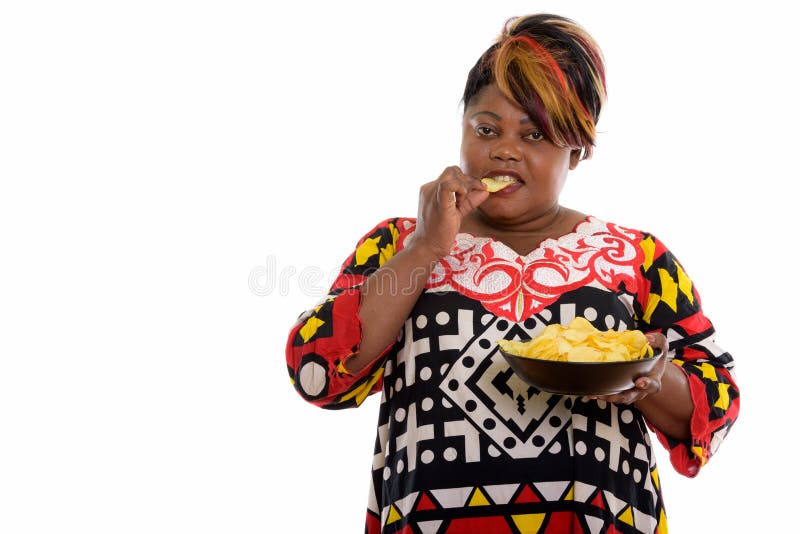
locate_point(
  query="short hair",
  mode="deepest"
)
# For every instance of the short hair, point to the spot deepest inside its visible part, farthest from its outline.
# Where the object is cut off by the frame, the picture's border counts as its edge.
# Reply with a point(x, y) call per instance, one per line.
point(553, 69)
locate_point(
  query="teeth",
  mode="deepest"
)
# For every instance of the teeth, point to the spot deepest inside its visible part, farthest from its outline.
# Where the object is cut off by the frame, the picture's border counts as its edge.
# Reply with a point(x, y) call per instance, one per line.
point(496, 183)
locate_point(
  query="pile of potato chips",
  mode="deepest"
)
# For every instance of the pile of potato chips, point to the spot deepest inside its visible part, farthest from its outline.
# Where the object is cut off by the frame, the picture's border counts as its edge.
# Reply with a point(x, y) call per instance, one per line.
point(581, 342)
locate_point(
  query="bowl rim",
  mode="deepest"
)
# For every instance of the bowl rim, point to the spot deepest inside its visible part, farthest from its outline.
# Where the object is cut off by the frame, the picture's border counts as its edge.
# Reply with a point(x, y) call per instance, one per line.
point(657, 353)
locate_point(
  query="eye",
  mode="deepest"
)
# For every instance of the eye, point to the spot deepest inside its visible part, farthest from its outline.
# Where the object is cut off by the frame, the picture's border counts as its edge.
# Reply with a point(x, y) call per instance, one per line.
point(484, 131)
point(535, 136)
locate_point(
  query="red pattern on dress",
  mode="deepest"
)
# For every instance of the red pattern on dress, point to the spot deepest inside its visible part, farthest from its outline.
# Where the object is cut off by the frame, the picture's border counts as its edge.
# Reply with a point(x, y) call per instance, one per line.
point(515, 287)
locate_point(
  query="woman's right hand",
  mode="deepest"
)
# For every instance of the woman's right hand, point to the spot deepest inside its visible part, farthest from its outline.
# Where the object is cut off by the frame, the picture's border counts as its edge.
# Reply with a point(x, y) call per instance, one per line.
point(390, 293)
point(443, 204)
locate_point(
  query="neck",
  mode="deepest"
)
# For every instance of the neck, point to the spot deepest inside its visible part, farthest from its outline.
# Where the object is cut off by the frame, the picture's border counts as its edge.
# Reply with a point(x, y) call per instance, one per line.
point(525, 236)
point(543, 224)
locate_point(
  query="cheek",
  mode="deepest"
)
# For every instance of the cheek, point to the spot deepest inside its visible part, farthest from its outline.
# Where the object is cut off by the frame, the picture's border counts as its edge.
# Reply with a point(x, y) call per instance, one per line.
point(555, 164)
point(471, 157)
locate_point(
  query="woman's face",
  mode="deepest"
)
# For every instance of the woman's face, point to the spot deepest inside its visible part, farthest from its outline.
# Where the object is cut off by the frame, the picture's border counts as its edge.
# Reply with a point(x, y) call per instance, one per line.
point(499, 139)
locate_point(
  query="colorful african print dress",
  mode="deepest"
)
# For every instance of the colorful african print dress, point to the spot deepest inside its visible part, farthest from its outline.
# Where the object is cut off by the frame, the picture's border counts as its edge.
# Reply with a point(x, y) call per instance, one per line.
point(463, 445)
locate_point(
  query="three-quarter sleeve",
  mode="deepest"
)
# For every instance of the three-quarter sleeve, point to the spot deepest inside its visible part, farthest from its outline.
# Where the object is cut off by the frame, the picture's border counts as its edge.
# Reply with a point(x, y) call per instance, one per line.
point(327, 335)
point(668, 302)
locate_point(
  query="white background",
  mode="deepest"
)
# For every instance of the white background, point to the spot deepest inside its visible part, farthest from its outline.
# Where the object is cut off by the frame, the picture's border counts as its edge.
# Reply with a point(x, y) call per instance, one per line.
point(157, 155)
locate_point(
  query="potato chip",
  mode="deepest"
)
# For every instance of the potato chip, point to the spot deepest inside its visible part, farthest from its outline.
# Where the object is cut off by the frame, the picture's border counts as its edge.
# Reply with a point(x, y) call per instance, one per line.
point(493, 184)
point(582, 353)
point(580, 341)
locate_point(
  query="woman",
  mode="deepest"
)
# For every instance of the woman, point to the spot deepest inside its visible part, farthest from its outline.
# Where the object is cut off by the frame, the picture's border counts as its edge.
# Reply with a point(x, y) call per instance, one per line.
point(463, 445)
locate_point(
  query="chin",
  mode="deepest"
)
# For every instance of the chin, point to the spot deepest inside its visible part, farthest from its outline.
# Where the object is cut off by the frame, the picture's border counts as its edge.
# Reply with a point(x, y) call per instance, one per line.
point(500, 214)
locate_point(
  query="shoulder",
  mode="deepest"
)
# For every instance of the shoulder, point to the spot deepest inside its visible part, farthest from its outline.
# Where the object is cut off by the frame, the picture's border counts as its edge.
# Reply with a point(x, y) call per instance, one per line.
point(651, 250)
point(655, 255)
point(383, 239)
point(594, 225)
point(396, 229)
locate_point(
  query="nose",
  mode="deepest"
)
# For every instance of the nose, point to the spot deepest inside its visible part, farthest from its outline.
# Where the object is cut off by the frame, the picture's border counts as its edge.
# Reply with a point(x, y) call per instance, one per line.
point(506, 149)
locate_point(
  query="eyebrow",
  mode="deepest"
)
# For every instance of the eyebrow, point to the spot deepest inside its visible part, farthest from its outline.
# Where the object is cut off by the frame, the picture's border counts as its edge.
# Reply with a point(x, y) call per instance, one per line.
point(495, 116)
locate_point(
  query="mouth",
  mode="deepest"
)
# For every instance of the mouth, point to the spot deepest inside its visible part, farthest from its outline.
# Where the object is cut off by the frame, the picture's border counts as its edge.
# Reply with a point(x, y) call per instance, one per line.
point(501, 179)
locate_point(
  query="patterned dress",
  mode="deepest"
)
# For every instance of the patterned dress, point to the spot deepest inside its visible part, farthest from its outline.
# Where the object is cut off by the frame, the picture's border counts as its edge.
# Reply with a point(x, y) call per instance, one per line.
point(463, 445)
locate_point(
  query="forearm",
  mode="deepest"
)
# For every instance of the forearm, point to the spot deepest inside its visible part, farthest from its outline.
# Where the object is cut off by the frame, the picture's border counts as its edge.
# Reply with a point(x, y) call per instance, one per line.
point(670, 410)
point(388, 296)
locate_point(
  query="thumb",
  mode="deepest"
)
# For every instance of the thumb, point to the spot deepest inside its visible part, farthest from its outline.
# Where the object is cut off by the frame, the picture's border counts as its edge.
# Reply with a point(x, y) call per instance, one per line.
point(472, 200)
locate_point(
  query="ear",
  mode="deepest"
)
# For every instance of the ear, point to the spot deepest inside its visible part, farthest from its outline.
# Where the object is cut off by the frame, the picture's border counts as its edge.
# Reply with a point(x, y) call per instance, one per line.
point(574, 158)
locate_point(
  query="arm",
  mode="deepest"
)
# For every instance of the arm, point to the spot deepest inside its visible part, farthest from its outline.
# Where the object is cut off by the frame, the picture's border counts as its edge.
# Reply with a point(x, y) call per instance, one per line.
point(388, 296)
point(700, 371)
point(325, 336)
point(669, 409)
point(663, 396)
point(335, 352)
point(391, 292)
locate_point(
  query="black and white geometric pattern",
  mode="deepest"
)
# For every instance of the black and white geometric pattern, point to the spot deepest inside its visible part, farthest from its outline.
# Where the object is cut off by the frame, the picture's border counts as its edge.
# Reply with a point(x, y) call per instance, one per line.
point(454, 414)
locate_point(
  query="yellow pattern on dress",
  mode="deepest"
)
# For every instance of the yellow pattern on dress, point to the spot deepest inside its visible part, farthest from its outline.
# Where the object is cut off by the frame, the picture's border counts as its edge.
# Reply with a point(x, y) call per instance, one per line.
point(310, 328)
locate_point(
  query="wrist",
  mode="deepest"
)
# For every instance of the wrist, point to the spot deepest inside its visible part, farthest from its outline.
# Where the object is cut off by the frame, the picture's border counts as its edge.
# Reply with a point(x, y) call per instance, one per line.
point(426, 251)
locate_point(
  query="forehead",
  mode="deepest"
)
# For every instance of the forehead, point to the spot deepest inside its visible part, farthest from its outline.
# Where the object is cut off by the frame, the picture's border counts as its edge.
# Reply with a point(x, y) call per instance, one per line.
point(491, 101)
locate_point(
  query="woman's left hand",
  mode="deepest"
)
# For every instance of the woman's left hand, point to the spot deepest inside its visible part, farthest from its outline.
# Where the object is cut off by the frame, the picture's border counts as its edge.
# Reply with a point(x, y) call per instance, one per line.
point(649, 384)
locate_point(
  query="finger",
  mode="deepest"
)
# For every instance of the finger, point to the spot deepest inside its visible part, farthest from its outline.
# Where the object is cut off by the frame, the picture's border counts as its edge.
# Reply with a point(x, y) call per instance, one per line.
point(453, 174)
point(472, 200)
point(471, 183)
point(476, 192)
point(452, 190)
point(474, 184)
point(629, 396)
point(616, 398)
point(657, 339)
point(648, 385)
point(453, 182)
point(428, 190)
